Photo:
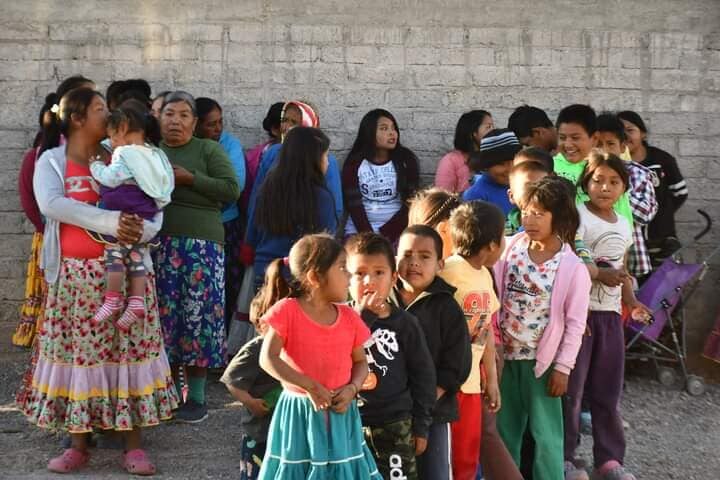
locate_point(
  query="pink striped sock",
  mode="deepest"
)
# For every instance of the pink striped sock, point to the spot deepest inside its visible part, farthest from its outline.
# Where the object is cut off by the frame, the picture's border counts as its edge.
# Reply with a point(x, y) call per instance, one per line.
point(110, 307)
point(135, 311)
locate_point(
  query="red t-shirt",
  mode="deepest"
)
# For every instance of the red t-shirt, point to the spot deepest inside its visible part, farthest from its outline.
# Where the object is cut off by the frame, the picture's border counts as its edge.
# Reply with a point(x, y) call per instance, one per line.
point(322, 352)
point(75, 241)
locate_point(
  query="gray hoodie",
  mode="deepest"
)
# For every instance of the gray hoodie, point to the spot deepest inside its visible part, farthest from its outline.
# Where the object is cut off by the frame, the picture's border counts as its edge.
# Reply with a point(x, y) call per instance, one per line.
point(49, 186)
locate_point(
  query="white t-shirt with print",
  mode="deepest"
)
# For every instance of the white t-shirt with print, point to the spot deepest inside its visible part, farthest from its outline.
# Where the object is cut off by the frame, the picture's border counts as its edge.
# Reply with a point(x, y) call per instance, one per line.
point(526, 301)
point(378, 187)
point(608, 242)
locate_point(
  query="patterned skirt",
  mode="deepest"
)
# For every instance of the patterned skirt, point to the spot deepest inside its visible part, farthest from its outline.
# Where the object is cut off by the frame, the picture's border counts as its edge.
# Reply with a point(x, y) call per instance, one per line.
point(323, 445)
point(31, 310)
point(95, 376)
point(191, 295)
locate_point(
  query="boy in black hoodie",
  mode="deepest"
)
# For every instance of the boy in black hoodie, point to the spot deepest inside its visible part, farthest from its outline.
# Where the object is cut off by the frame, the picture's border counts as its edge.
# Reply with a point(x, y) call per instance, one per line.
point(399, 393)
point(423, 293)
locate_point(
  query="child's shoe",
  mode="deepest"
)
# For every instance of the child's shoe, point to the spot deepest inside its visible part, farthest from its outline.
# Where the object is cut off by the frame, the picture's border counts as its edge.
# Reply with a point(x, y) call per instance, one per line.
point(71, 460)
point(110, 308)
point(135, 311)
point(612, 470)
point(574, 473)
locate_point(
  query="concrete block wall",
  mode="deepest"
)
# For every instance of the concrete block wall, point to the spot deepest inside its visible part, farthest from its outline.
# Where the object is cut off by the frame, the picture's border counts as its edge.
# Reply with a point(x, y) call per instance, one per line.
point(426, 61)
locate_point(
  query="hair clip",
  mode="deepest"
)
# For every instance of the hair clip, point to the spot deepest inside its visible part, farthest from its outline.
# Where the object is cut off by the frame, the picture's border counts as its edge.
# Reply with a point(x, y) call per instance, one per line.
point(286, 261)
point(55, 108)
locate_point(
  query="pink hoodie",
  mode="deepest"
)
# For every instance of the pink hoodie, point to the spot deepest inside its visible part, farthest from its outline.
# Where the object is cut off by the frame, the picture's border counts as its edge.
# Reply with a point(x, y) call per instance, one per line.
point(561, 340)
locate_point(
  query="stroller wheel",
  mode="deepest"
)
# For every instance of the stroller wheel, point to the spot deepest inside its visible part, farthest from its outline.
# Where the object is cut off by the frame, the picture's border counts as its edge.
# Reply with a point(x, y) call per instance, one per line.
point(666, 376)
point(695, 385)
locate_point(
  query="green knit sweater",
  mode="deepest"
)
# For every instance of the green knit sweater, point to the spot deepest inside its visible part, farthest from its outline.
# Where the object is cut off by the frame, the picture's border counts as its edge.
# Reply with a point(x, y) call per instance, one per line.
point(194, 211)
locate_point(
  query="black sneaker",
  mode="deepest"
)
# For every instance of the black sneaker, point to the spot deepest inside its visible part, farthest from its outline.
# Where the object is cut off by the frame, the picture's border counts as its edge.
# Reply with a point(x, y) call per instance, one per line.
point(191, 412)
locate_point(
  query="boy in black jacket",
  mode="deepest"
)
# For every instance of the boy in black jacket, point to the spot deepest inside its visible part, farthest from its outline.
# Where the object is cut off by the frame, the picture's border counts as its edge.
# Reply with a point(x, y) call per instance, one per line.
point(423, 293)
point(399, 393)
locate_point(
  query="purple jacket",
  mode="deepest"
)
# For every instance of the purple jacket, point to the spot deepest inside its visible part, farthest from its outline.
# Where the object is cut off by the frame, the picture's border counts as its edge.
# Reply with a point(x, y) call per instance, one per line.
point(561, 340)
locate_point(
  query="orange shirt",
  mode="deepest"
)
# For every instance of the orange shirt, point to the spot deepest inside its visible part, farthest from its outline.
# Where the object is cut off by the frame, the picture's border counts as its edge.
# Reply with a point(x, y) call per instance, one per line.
point(322, 352)
point(75, 241)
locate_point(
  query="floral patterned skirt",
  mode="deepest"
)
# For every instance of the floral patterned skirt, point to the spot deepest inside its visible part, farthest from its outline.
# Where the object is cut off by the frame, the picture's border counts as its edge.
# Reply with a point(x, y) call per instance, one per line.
point(191, 295)
point(95, 376)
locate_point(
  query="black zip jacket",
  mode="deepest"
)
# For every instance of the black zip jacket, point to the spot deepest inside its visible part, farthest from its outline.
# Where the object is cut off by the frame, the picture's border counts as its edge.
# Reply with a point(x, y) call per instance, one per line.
point(447, 338)
point(401, 382)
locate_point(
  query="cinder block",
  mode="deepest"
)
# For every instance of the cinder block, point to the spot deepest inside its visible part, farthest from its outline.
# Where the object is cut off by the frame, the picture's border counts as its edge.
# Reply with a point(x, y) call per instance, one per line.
point(495, 36)
point(480, 56)
point(450, 36)
point(423, 121)
point(377, 35)
point(12, 289)
point(620, 78)
point(331, 54)
point(676, 40)
point(371, 74)
point(316, 34)
point(694, 167)
point(680, 80)
point(439, 56)
point(442, 75)
point(258, 32)
point(569, 57)
point(713, 168)
point(330, 73)
point(10, 30)
point(665, 58)
point(699, 146)
point(409, 98)
point(15, 246)
point(243, 54)
point(355, 97)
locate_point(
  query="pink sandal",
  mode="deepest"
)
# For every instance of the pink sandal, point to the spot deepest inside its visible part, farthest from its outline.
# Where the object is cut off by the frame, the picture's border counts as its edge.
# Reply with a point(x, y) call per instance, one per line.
point(136, 462)
point(71, 460)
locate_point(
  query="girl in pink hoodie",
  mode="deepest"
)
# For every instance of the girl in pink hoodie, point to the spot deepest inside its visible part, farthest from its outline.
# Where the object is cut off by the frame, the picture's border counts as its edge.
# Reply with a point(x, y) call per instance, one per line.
point(544, 291)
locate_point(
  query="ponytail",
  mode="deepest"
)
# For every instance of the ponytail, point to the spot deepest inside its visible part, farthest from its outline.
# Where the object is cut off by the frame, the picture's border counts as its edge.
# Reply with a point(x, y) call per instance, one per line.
point(277, 285)
point(50, 125)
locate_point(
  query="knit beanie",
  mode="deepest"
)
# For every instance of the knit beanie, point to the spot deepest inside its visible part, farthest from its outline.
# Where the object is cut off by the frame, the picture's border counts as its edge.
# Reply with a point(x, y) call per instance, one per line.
point(498, 146)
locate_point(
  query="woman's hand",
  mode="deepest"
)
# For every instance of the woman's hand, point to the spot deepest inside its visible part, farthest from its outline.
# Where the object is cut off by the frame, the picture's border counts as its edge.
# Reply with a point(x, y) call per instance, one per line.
point(341, 400)
point(130, 228)
point(183, 176)
point(557, 384)
point(320, 396)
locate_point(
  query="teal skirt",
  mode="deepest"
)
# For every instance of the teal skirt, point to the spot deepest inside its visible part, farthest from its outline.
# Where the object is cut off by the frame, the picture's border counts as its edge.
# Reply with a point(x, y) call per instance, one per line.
point(305, 444)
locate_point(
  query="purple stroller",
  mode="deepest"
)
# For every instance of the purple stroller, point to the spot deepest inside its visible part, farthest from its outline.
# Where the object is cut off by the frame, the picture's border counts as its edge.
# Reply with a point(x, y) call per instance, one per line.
point(668, 287)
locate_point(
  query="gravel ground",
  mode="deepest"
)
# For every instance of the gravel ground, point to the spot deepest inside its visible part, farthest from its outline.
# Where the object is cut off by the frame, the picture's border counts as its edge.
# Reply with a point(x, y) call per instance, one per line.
point(671, 436)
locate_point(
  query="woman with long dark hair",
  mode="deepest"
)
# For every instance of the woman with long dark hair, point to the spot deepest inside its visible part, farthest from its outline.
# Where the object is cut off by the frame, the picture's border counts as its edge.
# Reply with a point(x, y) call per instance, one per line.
point(91, 376)
point(48, 136)
point(293, 200)
point(453, 172)
point(670, 189)
point(379, 177)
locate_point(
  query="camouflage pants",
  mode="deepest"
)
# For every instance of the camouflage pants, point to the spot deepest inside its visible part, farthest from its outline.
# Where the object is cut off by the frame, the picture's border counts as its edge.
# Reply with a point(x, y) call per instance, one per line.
point(393, 447)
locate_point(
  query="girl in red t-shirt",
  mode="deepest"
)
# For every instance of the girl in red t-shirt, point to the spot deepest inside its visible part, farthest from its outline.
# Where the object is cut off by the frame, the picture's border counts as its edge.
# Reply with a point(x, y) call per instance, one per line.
point(314, 346)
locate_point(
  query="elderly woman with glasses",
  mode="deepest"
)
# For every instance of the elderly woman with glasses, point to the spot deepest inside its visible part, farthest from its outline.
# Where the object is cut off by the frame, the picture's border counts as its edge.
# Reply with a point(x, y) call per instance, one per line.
point(190, 259)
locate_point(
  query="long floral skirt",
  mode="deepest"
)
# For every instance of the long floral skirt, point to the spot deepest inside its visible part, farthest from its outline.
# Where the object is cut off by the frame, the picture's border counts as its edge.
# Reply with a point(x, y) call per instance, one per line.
point(191, 294)
point(95, 376)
